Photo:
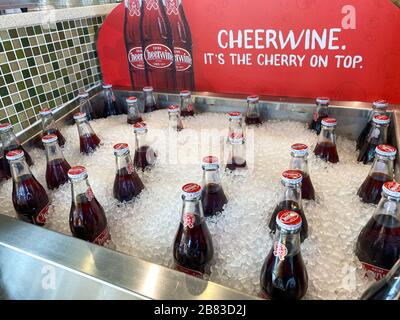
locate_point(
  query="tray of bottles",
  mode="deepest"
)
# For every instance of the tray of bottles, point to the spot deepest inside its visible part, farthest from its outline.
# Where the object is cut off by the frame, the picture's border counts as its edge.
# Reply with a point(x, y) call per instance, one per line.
point(232, 196)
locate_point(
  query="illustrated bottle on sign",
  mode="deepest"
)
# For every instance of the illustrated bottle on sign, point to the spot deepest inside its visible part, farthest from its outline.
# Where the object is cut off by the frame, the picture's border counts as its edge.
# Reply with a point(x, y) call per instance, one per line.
point(378, 244)
point(49, 126)
point(381, 172)
point(321, 113)
point(149, 101)
point(127, 183)
point(299, 161)
point(237, 153)
point(253, 116)
point(11, 143)
point(57, 167)
point(387, 288)
point(30, 199)
point(379, 107)
point(88, 140)
point(290, 199)
point(133, 114)
point(175, 121)
point(145, 157)
point(182, 44)
point(326, 146)
point(214, 197)
point(133, 42)
point(87, 219)
point(110, 107)
point(157, 44)
point(235, 124)
point(193, 247)
point(378, 134)
point(284, 275)
point(186, 103)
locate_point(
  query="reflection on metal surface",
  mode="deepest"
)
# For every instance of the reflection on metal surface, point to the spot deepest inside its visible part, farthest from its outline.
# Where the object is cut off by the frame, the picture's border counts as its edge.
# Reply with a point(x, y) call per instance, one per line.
point(150, 282)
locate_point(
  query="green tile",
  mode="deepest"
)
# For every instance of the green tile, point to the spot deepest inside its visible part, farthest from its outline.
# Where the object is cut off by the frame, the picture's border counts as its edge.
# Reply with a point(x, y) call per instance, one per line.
point(56, 65)
point(5, 68)
point(70, 43)
point(7, 101)
point(59, 26)
point(39, 89)
point(28, 52)
point(13, 33)
point(9, 78)
point(72, 24)
point(42, 98)
point(19, 107)
point(48, 38)
point(44, 78)
point(25, 42)
point(38, 29)
point(34, 72)
point(57, 46)
point(11, 56)
point(51, 76)
point(36, 51)
point(53, 56)
point(20, 54)
point(27, 104)
point(13, 120)
point(35, 101)
point(26, 73)
point(2, 81)
point(30, 31)
point(58, 74)
point(32, 92)
point(46, 58)
point(32, 120)
point(29, 83)
point(1, 47)
point(3, 91)
point(21, 86)
point(65, 25)
point(43, 49)
point(31, 62)
point(50, 47)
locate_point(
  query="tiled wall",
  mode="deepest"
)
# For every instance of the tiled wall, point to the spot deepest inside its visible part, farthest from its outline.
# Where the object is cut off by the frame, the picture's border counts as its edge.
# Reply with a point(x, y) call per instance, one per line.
point(45, 66)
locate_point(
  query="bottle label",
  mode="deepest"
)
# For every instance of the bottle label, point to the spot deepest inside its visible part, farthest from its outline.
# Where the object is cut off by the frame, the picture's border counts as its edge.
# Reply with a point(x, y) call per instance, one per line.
point(191, 272)
point(280, 250)
point(130, 168)
point(172, 6)
point(135, 58)
point(183, 59)
point(190, 107)
point(42, 215)
point(89, 194)
point(158, 56)
point(103, 237)
point(151, 4)
point(315, 116)
point(134, 8)
point(379, 273)
point(188, 220)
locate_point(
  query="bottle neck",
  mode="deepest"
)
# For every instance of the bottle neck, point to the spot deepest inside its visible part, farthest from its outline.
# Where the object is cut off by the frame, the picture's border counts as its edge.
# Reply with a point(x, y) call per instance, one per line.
point(327, 135)
point(84, 128)
point(211, 176)
point(186, 103)
point(141, 139)
point(133, 108)
point(48, 122)
point(382, 165)
point(108, 95)
point(8, 138)
point(19, 168)
point(290, 239)
point(378, 133)
point(124, 163)
point(81, 191)
point(149, 99)
point(192, 213)
point(236, 126)
point(253, 109)
point(53, 151)
point(291, 192)
point(388, 207)
point(299, 162)
point(322, 110)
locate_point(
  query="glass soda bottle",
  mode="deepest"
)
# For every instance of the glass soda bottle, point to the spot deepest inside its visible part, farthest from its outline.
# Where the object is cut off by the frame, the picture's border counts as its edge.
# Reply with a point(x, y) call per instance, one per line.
point(127, 184)
point(388, 288)
point(49, 126)
point(3, 175)
point(381, 172)
point(377, 135)
point(186, 103)
point(214, 198)
point(237, 153)
point(110, 102)
point(149, 100)
point(30, 199)
point(175, 121)
point(283, 274)
point(133, 114)
point(87, 219)
point(85, 106)
point(321, 113)
point(299, 161)
point(378, 244)
point(290, 199)
point(57, 167)
point(326, 146)
point(379, 107)
point(253, 116)
point(145, 157)
point(11, 143)
point(89, 141)
point(193, 247)
point(235, 124)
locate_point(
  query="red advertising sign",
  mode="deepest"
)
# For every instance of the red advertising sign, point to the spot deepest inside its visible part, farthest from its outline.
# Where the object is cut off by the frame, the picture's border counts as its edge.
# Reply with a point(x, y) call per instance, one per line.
point(347, 50)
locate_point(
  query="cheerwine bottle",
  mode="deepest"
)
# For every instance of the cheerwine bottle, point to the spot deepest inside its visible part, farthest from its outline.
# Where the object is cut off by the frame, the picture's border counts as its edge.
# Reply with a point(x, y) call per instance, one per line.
point(186, 103)
point(182, 44)
point(253, 116)
point(30, 199)
point(157, 44)
point(193, 247)
point(145, 157)
point(149, 101)
point(175, 121)
point(378, 244)
point(87, 219)
point(110, 107)
point(49, 126)
point(326, 146)
point(381, 172)
point(133, 43)
point(133, 114)
point(88, 140)
point(235, 124)
point(321, 113)
point(85, 106)
point(237, 154)
point(284, 275)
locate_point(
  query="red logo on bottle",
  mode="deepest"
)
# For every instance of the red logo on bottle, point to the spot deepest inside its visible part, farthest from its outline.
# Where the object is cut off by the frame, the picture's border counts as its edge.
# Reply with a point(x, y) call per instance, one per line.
point(102, 237)
point(89, 194)
point(280, 250)
point(183, 59)
point(158, 56)
point(42, 215)
point(379, 273)
point(134, 8)
point(172, 6)
point(189, 220)
point(130, 168)
point(315, 116)
point(135, 58)
point(151, 4)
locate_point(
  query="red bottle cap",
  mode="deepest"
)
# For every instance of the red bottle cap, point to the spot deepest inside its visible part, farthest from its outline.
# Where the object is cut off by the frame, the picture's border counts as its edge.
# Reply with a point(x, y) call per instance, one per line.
point(139, 127)
point(210, 162)
point(253, 98)
point(299, 149)
point(77, 172)
point(79, 115)
point(381, 119)
point(121, 148)
point(131, 99)
point(288, 220)
point(386, 150)
point(148, 89)
point(49, 138)
point(5, 126)
point(191, 191)
point(392, 189)
point(185, 93)
point(236, 138)
point(173, 109)
point(292, 176)
point(329, 122)
point(235, 115)
point(380, 104)
point(107, 86)
point(323, 100)
point(14, 154)
point(45, 111)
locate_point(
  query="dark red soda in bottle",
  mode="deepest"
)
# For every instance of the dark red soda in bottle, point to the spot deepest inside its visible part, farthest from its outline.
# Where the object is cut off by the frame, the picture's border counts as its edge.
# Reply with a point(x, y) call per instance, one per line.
point(326, 146)
point(85, 106)
point(253, 116)
point(193, 247)
point(214, 198)
point(149, 101)
point(175, 121)
point(110, 107)
point(133, 114)
point(237, 154)
point(283, 274)
point(381, 172)
point(321, 113)
point(3, 175)
point(30, 199)
point(299, 153)
point(49, 126)
point(290, 199)
point(379, 107)
point(145, 157)
point(87, 219)
point(378, 134)
point(127, 184)
point(157, 44)
point(11, 143)
point(133, 43)
point(186, 103)
point(378, 244)
point(57, 167)
point(182, 44)
point(88, 140)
